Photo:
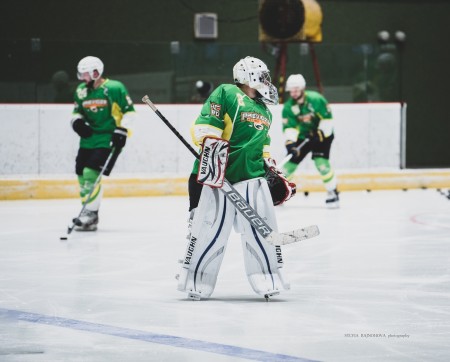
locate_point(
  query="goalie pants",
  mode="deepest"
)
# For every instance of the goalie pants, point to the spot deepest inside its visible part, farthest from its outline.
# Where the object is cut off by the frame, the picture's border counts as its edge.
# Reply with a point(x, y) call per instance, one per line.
point(210, 229)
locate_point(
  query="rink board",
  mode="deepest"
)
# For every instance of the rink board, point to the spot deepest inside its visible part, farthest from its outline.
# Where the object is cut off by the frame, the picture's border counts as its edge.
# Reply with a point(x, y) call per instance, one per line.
point(60, 187)
point(37, 139)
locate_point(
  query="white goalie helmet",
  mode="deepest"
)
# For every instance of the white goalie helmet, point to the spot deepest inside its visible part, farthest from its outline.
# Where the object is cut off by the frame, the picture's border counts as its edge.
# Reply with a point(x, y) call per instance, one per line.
point(295, 81)
point(88, 65)
point(254, 73)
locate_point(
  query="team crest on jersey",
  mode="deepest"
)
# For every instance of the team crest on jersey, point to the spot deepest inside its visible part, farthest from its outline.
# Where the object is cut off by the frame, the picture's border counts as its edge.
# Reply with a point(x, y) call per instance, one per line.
point(215, 109)
point(82, 93)
point(257, 120)
point(295, 109)
point(240, 99)
point(94, 105)
point(306, 118)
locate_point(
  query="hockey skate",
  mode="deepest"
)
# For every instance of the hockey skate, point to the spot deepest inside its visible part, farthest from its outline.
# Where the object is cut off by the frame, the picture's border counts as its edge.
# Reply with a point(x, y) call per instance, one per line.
point(87, 221)
point(332, 200)
point(267, 296)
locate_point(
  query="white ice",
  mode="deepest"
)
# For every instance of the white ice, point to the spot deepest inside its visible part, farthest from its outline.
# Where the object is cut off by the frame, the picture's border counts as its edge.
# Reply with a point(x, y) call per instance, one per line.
point(374, 286)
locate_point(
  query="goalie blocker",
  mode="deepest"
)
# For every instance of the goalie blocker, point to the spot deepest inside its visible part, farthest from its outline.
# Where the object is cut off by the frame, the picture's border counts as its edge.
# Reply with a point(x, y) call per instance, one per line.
point(213, 162)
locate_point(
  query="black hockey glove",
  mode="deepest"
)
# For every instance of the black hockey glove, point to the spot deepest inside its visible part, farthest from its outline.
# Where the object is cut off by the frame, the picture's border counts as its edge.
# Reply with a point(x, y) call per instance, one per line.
point(119, 138)
point(292, 149)
point(82, 128)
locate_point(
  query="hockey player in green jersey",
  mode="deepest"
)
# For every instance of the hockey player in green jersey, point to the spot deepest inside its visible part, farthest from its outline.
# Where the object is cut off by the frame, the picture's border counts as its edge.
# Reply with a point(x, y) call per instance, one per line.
point(102, 116)
point(308, 127)
point(232, 131)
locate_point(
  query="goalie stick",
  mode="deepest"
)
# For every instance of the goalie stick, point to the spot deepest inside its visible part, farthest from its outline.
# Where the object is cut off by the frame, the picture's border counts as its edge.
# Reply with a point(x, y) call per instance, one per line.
point(241, 205)
point(105, 166)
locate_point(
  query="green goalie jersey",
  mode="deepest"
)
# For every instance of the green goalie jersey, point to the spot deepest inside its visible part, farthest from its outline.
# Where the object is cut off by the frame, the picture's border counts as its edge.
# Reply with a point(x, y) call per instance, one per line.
point(102, 108)
point(230, 114)
point(305, 118)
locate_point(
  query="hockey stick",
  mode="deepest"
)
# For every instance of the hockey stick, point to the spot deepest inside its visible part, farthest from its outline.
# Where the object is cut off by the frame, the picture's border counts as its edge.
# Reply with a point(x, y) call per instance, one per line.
point(289, 156)
point(241, 205)
point(105, 166)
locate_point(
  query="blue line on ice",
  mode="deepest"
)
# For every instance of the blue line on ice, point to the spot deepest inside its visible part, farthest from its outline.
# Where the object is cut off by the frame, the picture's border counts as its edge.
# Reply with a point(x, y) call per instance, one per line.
point(168, 340)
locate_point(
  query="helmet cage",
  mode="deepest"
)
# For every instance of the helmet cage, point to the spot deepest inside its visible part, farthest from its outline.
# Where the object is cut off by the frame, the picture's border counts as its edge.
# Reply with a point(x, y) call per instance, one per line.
point(264, 78)
point(269, 93)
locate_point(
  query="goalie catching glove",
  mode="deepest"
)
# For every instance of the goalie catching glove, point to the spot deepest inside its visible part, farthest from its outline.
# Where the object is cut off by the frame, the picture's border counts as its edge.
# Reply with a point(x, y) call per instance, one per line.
point(280, 188)
point(213, 162)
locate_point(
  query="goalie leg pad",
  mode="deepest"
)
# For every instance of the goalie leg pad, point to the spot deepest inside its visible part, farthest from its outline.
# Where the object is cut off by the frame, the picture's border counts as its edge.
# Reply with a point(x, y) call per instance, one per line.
point(263, 262)
point(211, 227)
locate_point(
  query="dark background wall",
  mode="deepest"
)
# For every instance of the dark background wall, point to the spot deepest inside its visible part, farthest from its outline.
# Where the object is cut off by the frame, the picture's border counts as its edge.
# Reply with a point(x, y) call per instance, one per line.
point(426, 60)
point(425, 56)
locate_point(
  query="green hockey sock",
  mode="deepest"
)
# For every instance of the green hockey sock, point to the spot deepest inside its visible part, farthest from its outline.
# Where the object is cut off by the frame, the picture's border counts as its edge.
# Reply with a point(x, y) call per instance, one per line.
point(289, 169)
point(324, 168)
point(87, 181)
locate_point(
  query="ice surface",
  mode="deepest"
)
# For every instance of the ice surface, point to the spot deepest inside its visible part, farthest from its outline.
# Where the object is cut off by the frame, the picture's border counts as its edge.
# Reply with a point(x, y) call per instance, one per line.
point(380, 267)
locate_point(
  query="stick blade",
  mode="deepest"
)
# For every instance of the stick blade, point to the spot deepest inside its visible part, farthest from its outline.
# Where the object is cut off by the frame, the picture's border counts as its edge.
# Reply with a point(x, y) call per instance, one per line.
point(69, 230)
point(293, 236)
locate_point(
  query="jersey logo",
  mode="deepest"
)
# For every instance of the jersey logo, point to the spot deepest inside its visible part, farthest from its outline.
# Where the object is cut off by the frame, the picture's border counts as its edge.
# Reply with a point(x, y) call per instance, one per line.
point(82, 93)
point(240, 99)
point(215, 109)
point(257, 120)
point(295, 109)
point(305, 118)
point(94, 105)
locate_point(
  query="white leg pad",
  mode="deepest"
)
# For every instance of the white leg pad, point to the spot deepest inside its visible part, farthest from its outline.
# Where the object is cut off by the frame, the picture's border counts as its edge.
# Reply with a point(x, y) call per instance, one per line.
point(263, 262)
point(211, 226)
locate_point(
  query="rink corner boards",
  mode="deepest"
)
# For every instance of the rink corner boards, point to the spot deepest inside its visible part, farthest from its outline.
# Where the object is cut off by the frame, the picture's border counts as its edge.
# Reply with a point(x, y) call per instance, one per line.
point(25, 187)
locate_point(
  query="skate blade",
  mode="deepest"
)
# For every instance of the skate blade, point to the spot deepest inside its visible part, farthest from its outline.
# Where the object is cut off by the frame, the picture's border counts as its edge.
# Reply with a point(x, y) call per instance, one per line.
point(272, 294)
point(194, 296)
point(86, 228)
